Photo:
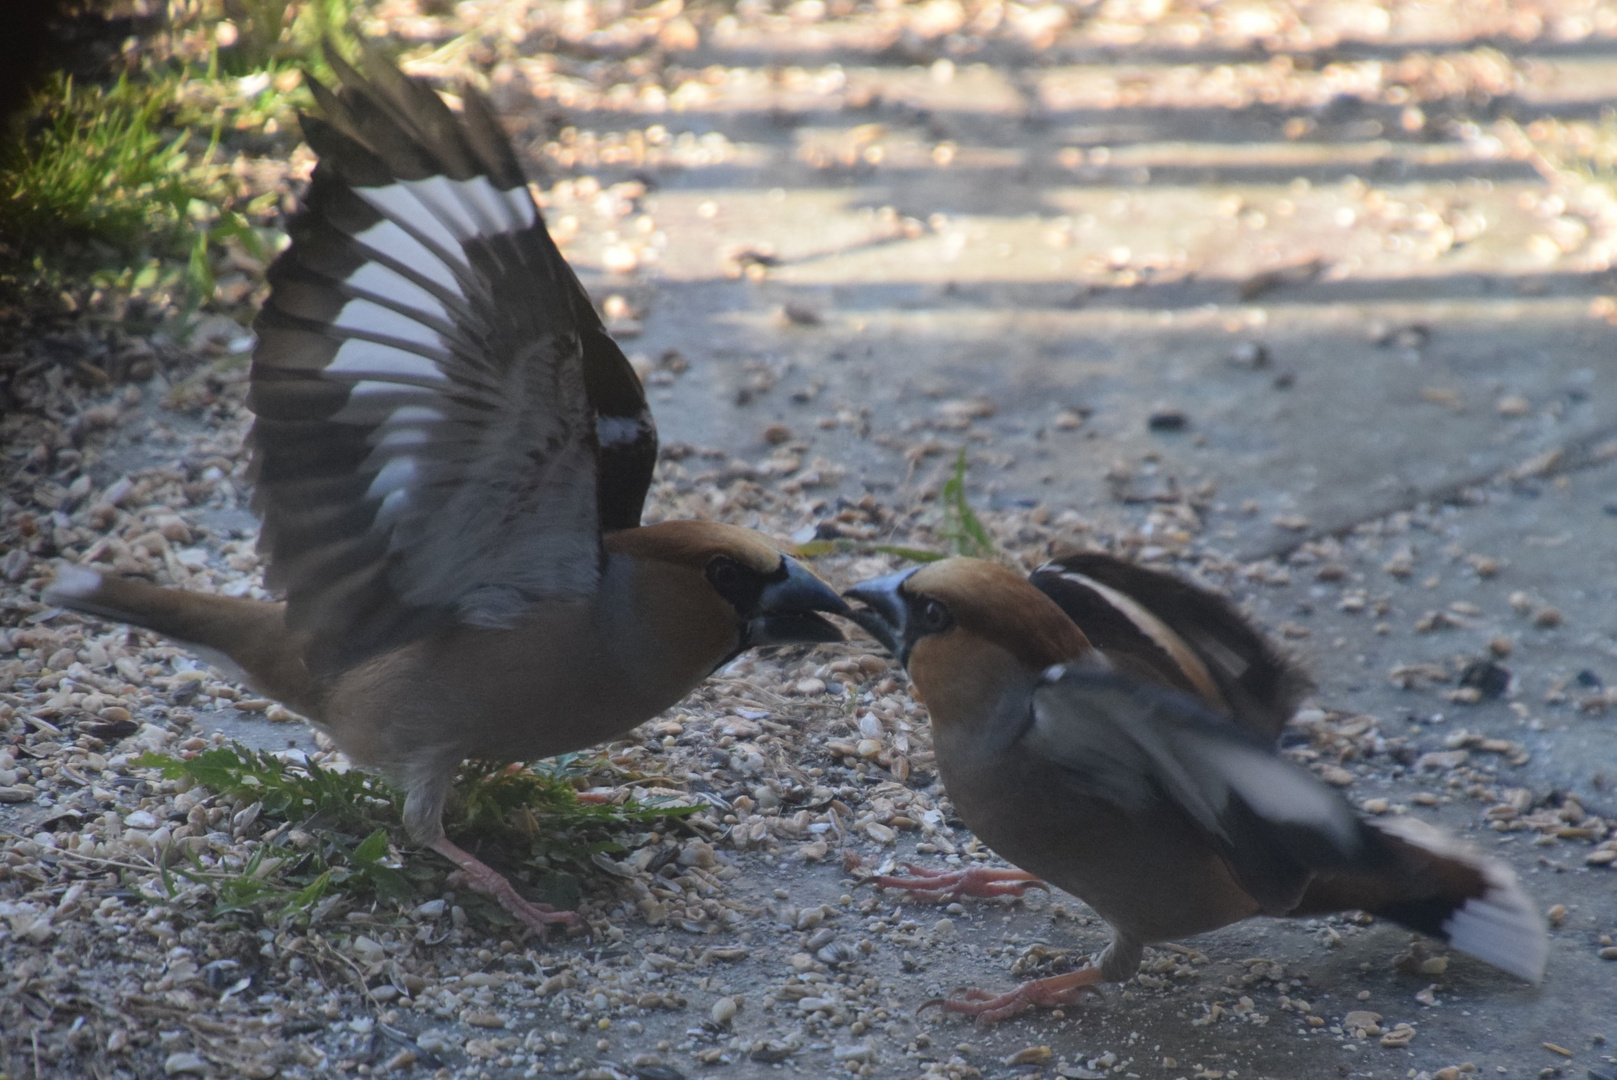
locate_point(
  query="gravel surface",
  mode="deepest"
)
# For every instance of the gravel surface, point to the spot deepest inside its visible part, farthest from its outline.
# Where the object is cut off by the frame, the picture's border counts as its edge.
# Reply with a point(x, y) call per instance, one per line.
point(1278, 295)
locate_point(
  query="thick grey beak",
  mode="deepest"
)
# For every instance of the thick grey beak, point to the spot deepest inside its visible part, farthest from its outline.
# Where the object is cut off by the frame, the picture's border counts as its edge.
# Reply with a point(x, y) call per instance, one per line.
point(884, 613)
point(787, 610)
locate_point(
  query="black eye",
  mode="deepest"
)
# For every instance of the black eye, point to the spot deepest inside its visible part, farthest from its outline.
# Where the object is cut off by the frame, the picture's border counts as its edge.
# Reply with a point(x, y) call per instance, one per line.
point(934, 616)
point(724, 575)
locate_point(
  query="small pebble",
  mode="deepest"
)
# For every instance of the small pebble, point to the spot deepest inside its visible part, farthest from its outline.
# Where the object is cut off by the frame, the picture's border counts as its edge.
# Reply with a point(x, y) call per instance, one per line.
point(184, 1063)
point(1513, 405)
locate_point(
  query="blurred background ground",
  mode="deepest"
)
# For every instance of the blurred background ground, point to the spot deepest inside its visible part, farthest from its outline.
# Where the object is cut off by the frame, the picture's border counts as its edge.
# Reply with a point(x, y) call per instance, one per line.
point(1314, 301)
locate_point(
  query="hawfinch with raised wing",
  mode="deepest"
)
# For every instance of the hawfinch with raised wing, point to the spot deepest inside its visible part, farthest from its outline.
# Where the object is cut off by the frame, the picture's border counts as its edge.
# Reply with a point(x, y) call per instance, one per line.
point(450, 458)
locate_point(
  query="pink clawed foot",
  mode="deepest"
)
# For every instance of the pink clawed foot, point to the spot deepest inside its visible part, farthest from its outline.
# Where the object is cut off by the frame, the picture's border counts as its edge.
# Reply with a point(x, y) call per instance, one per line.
point(485, 879)
point(939, 885)
point(1050, 993)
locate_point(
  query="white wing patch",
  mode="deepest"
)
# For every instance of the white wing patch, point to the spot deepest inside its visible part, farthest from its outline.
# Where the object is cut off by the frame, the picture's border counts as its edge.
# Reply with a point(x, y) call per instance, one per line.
point(432, 379)
point(398, 474)
point(393, 507)
point(395, 436)
point(444, 213)
point(520, 205)
point(383, 281)
point(366, 360)
point(1280, 792)
point(415, 414)
point(420, 218)
point(387, 240)
point(371, 388)
point(479, 207)
point(397, 202)
point(448, 212)
point(372, 402)
point(369, 317)
point(438, 195)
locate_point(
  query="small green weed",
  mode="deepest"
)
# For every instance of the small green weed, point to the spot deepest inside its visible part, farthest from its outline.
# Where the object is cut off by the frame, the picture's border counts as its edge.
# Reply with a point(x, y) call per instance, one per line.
point(338, 834)
point(961, 526)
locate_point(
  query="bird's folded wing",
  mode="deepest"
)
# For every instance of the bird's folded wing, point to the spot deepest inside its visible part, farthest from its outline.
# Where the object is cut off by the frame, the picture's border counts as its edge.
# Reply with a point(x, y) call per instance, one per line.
point(1190, 636)
point(444, 427)
point(1139, 745)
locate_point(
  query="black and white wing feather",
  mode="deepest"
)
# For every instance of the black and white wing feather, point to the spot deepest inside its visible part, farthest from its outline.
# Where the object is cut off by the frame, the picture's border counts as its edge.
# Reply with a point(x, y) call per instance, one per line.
point(1188, 636)
point(1139, 744)
point(444, 427)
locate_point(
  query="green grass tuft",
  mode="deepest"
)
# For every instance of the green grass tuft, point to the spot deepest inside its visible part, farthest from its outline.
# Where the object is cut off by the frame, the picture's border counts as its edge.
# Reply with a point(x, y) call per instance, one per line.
point(332, 834)
point(101, 166)
point(102, 177)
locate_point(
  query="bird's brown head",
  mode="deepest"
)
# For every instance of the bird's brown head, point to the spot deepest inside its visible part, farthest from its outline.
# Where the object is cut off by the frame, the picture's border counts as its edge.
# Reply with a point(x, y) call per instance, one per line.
point(947, 619)
point(774, 598)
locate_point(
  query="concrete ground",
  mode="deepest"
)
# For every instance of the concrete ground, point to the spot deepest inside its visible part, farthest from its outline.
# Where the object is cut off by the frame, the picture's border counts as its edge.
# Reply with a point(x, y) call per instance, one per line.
point(1376, 351)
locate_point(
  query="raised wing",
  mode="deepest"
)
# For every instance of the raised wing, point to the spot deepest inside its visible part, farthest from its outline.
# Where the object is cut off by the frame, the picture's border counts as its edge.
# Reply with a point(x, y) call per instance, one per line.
point(444, 427)
point(1138, 744)
point(1190, 638)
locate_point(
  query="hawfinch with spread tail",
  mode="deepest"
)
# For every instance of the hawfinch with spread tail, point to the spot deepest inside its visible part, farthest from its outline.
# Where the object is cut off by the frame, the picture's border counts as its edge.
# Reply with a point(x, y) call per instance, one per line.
point(1111, 730)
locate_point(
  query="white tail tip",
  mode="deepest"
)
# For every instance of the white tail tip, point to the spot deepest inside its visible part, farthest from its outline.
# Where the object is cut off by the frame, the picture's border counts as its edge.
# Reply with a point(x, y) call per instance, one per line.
point(72, 583)
point(1502, 927)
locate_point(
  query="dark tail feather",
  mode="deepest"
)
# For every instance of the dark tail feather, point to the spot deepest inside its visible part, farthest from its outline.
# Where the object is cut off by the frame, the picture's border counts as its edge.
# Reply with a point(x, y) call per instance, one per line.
point(1430, 882)
point(247, 638)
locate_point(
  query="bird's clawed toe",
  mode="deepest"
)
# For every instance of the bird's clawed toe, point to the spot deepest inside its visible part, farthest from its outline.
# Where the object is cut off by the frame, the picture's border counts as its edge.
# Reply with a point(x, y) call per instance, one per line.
point(1056, 991)
point(936, 886)
point(535, 916)
point(482, 877)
